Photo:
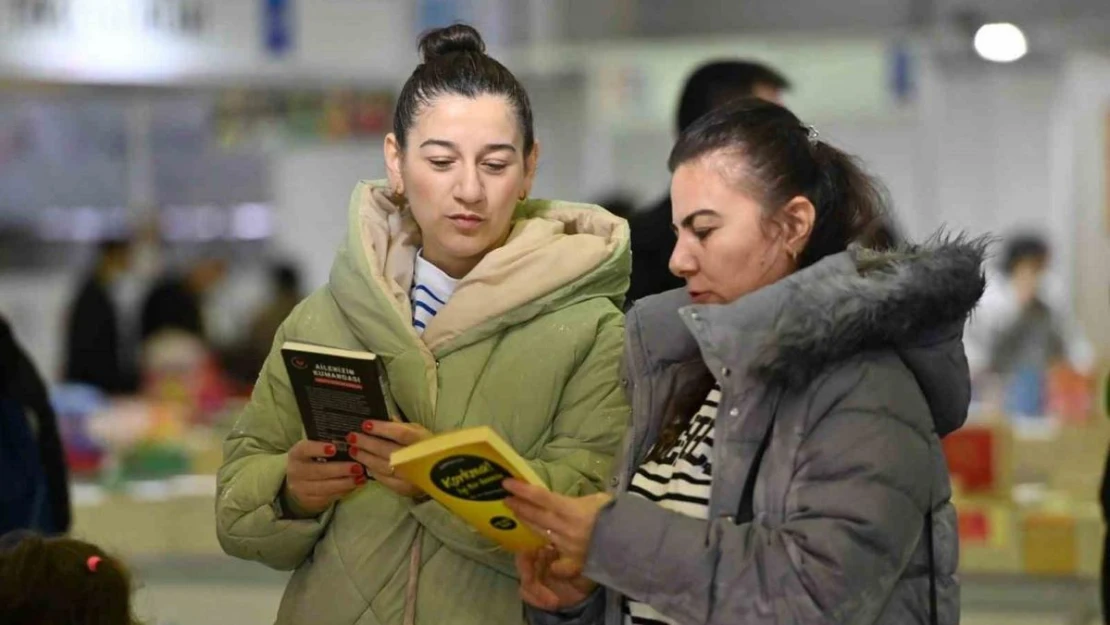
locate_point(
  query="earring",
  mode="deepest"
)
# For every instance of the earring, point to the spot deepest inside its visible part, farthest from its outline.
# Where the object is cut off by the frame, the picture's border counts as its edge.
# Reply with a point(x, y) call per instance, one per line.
point(523, 196)
point(397, 196)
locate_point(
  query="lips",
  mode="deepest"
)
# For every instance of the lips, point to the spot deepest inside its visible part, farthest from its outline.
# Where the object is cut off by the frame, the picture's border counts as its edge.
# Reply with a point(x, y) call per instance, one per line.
point(466, 221)
point(699, 297)
point(466, 218)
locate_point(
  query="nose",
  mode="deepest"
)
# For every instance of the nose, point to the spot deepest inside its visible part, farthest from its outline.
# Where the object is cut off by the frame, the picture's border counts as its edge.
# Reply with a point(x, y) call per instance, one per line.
point(469, 188)
point(683, 261)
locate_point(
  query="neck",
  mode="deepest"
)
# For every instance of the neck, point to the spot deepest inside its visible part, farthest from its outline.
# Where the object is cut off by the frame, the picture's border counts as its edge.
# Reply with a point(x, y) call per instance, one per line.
point(452, 266)
point(455, 266)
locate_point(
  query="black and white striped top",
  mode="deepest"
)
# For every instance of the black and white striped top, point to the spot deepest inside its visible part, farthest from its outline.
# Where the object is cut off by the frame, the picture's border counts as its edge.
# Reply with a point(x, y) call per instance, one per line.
point(680, 481)
point(431, 288)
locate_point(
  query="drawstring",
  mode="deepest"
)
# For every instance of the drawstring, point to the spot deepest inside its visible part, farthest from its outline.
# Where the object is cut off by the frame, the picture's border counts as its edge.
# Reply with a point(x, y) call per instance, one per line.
point(414, 576)
point(933, 616)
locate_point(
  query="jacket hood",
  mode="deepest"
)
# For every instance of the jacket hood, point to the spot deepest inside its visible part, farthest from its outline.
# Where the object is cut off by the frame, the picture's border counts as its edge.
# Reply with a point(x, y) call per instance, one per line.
point(913, 300)
point(557, 254)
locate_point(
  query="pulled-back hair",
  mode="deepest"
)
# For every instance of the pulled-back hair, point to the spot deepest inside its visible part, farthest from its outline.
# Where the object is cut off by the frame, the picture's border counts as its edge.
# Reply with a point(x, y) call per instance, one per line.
point(454, 61)
point(777, 157)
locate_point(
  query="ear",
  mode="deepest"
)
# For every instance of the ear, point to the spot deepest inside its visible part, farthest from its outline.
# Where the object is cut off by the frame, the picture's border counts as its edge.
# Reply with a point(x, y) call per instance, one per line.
point(393, 157)
point(796, 220)
point(530, 163)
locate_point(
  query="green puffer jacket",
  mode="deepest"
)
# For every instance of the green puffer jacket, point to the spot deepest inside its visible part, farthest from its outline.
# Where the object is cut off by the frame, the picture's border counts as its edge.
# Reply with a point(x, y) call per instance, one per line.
point(530, 344)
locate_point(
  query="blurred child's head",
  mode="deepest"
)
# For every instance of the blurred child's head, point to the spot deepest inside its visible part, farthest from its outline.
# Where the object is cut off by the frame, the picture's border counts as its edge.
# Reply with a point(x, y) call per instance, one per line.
point(61, 581)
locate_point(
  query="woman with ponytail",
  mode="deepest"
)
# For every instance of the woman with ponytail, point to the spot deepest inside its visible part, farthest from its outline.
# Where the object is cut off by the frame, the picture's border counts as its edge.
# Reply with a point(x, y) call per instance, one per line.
point(486, 307)
point(784, 464)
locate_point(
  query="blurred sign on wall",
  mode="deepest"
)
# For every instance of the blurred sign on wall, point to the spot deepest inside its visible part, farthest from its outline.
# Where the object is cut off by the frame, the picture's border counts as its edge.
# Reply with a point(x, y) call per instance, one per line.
point(637, 86)
point(65, 165)
point(178, 41)
point(278, 26)
point(243, 116)
point(184, 18)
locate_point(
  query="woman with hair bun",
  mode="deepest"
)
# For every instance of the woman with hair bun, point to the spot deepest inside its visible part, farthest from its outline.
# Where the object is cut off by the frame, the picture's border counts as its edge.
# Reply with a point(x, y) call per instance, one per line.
point(486, 308)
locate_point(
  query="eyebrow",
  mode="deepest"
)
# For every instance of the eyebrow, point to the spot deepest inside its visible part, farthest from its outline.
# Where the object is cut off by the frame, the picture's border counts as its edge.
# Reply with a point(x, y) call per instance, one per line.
point(490, 147)
point(689, 220)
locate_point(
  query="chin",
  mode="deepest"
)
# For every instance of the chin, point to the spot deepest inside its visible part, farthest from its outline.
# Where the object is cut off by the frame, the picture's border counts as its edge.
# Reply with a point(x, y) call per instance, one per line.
point(468, 247)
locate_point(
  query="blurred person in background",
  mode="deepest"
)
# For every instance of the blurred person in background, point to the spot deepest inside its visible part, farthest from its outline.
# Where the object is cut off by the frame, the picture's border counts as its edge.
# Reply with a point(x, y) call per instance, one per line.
point(34, 490)
point(176, 302)
point(485, 308)
point(784, 463)
point(245, 361)
point(1104, 504)
point(285, 294)
point(618, 203)
point(1104, 500)
point(62, 581)
point(710, 86)
point(1017, 326)
point(94, 350)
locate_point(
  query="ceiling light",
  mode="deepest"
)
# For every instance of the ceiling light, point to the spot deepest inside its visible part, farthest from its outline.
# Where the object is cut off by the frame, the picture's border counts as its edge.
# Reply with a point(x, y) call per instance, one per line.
point(1001, 43)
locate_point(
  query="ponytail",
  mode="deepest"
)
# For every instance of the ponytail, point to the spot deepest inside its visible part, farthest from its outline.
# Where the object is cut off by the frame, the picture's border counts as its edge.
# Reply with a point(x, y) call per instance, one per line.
point(782, 159)
point(849, 203)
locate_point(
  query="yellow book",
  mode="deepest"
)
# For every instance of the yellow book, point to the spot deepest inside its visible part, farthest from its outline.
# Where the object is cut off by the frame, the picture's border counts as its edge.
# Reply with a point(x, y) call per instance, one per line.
point(463, 470)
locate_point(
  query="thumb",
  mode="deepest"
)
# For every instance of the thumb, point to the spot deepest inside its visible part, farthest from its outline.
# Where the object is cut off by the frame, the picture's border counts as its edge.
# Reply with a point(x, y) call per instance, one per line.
point(566, 568)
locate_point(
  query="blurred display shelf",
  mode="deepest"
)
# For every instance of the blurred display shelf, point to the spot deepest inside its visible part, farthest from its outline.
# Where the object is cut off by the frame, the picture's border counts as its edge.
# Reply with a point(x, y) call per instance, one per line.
point(150, 518)
point(166, 530)
point(1063, 600)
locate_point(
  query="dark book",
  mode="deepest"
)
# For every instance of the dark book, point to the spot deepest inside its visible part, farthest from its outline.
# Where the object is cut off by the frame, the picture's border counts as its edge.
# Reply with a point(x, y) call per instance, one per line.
point(336, 390)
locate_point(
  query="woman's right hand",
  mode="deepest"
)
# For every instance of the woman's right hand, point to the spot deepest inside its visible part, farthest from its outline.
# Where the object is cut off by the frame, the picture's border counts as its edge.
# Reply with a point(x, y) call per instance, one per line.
point(545, 588)
point(313, 485)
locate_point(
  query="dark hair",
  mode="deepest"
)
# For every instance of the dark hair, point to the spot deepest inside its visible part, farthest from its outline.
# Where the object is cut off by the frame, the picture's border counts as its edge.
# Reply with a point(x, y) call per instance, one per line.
point(714, 83)
point(1023, 247)
point(780, 158)
point(47, 581)
point(115, 245)
point(681, 407)
point(618, 203)
point(454, 60)
point(286, 278)
point(883, 234)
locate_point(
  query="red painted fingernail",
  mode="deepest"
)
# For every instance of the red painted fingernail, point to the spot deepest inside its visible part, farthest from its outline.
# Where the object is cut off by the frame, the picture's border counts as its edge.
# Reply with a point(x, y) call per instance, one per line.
point(329, 450)
point(360, 480)
point(356, 470)
point(352, 439)
point(368, 426)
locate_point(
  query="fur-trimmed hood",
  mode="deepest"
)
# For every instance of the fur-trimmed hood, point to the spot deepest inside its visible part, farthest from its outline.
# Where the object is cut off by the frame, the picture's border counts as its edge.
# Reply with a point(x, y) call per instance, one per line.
point(913, 300)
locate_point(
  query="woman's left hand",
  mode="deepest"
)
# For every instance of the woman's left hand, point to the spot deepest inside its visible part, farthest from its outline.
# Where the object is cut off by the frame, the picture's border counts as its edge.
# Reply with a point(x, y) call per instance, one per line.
point(568, 522)
point(373, 449)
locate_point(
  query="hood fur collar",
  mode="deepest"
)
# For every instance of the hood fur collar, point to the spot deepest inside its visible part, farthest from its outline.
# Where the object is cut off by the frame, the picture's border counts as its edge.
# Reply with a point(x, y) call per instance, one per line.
point(901, 298)
point(789, 332)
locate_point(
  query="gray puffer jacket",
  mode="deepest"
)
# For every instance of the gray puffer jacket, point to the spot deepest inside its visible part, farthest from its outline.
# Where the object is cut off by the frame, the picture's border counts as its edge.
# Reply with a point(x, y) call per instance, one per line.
point(852, 368)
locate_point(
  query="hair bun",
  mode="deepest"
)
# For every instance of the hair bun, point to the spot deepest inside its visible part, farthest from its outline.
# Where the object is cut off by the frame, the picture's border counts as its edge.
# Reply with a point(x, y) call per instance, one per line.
point(448, 40)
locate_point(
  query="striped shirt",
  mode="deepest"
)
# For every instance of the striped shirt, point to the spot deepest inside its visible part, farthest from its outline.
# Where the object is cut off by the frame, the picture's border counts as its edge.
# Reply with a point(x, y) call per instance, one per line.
point(680, 481)
point(431, 288)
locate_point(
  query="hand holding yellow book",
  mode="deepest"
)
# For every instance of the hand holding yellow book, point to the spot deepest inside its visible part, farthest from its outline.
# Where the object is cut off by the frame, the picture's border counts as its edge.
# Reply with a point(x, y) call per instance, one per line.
point(464, 470)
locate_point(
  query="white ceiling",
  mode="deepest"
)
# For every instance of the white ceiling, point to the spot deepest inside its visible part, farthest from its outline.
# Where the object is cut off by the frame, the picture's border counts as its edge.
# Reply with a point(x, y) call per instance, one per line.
point(590, 19)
